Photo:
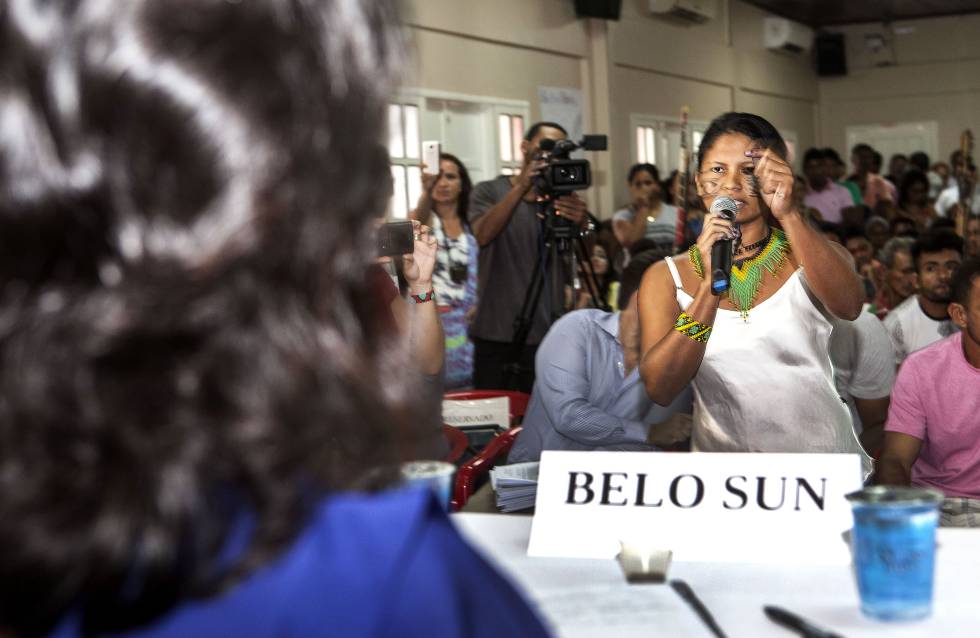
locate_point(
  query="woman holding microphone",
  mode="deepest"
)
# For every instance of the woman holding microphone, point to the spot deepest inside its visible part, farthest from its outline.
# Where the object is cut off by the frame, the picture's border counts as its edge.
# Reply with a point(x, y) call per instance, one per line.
point(757, 355)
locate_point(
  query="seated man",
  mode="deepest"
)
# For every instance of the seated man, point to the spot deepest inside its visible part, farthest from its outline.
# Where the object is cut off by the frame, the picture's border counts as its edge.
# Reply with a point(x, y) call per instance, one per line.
point(864, 373)
point(932, 430)
point(923, 319)
point(588, 394)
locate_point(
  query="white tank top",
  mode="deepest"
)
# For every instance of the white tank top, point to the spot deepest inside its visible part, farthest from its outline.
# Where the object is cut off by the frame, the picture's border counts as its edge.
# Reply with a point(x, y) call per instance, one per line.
point(766, 384)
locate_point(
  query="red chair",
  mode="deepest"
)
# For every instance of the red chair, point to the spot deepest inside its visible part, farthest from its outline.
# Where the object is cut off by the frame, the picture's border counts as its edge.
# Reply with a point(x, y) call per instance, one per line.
point(480, 465)
point(457, 443)
point(518, 400)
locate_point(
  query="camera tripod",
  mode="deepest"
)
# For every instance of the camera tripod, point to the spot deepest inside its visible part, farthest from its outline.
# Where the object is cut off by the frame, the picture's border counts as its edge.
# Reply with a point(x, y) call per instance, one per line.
point(561, 250)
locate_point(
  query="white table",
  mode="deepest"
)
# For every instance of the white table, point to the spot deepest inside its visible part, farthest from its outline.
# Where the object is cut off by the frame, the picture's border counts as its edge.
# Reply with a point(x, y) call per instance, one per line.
point(582, 597)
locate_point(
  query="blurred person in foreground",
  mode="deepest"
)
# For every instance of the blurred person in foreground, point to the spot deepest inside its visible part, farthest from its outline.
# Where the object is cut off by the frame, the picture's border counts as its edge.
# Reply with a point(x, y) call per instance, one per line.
point(192, 397)
point(923, 318)
point(588, 394)
point(932, 430)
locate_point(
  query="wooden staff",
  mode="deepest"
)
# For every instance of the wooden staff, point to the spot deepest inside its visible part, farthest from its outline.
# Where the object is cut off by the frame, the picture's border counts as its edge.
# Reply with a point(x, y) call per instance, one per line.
point(682, 162)
point(965, 182)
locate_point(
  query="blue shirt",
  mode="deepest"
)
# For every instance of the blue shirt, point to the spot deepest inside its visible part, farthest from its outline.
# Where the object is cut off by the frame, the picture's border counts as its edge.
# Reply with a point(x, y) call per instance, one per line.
point(384, 565)
point(582, 398)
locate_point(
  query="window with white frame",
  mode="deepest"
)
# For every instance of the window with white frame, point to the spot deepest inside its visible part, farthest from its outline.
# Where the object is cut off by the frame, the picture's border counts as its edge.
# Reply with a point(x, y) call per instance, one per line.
point(510, 134)
point(646, 145)
point(485, 133)
point(657, 140)
point(404, 148)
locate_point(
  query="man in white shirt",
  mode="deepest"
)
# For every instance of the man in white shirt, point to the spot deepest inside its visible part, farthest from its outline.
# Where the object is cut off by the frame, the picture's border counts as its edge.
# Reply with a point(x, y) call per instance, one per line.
point(924, 319)
point(864, 373)
point(950, 196)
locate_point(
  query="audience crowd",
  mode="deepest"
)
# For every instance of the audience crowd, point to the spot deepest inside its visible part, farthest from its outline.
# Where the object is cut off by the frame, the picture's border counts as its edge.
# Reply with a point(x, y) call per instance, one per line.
point(197, 387)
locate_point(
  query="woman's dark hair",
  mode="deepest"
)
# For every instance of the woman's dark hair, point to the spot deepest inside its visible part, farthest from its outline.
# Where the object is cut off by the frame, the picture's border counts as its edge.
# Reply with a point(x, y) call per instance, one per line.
point(465, 188)
point(752, 126)
point(188, 332)
point(649, 168)
point(909, 179)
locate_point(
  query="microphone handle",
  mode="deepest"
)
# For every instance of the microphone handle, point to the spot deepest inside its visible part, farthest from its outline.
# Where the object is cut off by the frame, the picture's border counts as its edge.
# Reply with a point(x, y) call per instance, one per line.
point(721, 265)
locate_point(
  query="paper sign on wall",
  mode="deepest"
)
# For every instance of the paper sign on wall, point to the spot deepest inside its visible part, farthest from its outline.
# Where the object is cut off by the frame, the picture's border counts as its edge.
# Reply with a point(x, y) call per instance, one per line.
point(785, 508)
point(563, 106)
point(477, 413)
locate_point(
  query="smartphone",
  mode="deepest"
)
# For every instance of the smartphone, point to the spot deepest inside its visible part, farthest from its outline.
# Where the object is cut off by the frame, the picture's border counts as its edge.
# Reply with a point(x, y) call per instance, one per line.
point(430, 156)
point(396, 238)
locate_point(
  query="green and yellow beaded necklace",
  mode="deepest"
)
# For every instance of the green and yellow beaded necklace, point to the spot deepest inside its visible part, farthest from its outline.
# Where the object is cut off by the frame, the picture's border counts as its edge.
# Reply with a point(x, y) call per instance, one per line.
point(746, 278)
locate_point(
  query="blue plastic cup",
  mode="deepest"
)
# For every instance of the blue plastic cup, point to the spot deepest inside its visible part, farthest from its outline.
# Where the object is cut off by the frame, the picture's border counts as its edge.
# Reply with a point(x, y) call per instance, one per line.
point(894, 548)
point(436, 475)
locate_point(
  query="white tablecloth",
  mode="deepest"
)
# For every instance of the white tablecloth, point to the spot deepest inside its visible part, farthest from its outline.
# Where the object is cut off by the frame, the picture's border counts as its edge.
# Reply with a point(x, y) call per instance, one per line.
point(581, 597)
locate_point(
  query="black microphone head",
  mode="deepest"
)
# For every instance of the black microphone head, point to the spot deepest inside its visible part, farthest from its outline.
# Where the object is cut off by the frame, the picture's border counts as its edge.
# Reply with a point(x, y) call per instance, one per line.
point(725, 206)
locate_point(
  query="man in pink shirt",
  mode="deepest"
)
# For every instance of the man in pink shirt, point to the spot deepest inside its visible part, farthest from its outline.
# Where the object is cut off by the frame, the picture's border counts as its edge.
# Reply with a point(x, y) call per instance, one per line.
point(822, 193)
point(933, 428)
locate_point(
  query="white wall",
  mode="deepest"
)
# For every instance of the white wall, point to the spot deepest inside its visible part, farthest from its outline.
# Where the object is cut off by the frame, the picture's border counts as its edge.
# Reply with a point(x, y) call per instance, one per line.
point(640, 64)
point(936, 77)
point(660, 65)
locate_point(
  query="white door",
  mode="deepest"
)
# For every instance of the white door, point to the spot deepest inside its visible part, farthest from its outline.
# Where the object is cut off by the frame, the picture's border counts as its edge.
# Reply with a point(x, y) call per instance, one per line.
point(903, 137)
point(463, 127)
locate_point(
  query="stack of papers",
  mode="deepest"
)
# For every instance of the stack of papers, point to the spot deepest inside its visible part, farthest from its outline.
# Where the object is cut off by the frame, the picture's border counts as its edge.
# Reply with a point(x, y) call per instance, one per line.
point(516, 486)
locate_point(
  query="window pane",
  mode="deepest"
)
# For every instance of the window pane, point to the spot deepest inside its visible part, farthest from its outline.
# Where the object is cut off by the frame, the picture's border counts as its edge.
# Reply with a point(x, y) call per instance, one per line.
point(508, 171)
point(641, 149)
point(414, 186)
point(503, 134)
point(411, 131)
point(399, 200)
point(696, 138)
point(517, 128)
point(396, 146)
point(651, 145)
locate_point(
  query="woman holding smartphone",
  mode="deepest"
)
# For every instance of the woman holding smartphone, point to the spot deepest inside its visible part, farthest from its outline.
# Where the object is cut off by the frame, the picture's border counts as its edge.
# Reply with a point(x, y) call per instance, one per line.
point(442, 206)
point(757, 355)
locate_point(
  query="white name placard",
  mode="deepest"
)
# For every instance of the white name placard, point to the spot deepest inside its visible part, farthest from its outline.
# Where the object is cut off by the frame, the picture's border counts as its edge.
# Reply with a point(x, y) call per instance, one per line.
point(477, 413)
point(703, 507)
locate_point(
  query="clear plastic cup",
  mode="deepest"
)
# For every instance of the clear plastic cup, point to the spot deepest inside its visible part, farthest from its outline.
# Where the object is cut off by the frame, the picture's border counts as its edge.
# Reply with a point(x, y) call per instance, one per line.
point(436, 475)
point(894, 548)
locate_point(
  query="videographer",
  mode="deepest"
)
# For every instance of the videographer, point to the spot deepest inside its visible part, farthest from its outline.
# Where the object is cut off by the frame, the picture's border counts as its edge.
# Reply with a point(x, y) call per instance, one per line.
point(503, 214)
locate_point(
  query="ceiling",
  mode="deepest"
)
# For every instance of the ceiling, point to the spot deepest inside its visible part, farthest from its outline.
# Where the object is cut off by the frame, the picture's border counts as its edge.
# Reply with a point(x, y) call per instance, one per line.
point(821, 13)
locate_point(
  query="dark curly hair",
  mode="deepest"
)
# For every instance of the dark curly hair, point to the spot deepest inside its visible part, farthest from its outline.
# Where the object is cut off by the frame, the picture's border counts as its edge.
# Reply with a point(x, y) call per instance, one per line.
point(187, 333)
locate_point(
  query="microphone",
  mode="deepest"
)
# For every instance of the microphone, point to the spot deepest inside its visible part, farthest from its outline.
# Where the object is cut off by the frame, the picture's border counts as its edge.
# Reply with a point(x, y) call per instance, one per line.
point(721, 252)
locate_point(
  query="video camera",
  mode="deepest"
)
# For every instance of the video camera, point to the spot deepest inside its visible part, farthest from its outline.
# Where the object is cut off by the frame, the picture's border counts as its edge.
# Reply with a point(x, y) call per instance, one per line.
point(563, 175)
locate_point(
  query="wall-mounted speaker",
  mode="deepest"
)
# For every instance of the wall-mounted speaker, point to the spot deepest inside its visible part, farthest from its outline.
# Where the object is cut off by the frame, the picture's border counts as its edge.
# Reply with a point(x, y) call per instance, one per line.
point(605, 9)
point(828, 50)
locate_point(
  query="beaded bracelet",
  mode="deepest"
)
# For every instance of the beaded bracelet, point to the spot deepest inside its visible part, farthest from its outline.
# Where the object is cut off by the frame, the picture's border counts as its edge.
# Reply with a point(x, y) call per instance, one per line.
point(426, 296)
point(692, 328)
